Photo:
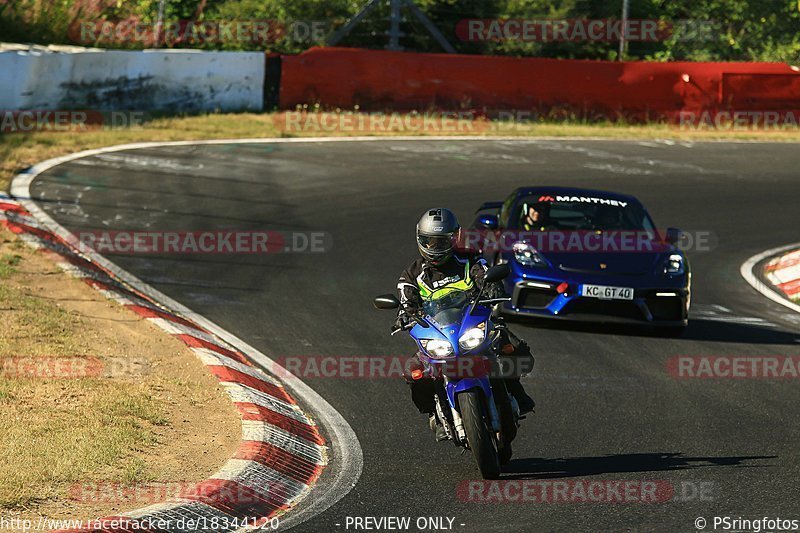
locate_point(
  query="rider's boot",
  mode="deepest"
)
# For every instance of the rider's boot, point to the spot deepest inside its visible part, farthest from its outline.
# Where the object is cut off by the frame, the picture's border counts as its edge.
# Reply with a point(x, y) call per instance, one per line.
point(437, 428)
point(525, 402)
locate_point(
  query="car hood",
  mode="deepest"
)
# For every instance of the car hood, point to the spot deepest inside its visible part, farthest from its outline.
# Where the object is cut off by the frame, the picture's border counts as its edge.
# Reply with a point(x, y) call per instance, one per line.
point(611, 263)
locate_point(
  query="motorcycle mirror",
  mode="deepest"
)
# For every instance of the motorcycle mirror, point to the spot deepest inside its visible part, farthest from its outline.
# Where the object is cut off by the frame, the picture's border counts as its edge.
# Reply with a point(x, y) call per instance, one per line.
point(386, 301)
point(497, 273)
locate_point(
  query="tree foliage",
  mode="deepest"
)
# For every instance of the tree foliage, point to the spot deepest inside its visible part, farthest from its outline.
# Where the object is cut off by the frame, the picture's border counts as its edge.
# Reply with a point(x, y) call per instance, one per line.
point(707, 30)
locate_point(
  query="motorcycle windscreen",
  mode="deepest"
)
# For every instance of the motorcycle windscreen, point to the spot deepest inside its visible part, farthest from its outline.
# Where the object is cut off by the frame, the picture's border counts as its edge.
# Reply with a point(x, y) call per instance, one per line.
point(447, 308)
point(449, 317)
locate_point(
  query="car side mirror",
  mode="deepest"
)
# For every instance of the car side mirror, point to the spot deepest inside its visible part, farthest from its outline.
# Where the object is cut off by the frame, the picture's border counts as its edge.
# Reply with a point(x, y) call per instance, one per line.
point(386, 301)
point(497, 273)
point(488, 221)
point(673, 235)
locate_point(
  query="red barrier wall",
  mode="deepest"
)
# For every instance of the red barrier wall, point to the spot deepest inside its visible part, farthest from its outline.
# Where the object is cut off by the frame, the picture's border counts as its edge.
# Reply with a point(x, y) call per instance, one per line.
point(381, 80)
point(761, 91)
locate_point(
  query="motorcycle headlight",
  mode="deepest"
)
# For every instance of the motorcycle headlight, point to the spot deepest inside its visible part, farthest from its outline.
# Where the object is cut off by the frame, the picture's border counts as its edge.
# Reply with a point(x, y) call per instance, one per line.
point(473, 337)
point(675, 265)
point(437, 347)
point(527, 255)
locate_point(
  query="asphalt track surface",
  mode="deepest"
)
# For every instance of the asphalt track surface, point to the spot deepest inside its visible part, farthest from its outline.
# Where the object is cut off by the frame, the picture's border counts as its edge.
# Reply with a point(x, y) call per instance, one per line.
point(607, 407)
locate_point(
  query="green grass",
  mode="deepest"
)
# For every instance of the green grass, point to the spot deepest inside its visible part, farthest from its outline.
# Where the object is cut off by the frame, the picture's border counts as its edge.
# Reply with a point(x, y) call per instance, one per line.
point(8, 264)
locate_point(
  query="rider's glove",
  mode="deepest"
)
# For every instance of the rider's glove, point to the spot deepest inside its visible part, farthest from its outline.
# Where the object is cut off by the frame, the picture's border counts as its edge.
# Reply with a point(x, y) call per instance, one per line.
point(399, 322)
point(405, 317)
point(494, 290)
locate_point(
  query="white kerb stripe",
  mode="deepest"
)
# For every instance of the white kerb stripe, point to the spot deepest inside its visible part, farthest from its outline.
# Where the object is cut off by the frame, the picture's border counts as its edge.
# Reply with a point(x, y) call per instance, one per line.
point(261, 479)
point(243, 394)
point(212, 358)
point(264, 432)
point(177, 328)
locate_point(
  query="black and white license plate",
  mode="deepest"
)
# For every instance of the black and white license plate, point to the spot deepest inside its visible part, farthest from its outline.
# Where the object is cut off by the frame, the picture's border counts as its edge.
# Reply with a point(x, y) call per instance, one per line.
point(605, 292)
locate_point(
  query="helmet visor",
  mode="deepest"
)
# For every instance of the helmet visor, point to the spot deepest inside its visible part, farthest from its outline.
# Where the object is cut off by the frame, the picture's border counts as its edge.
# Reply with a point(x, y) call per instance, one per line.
point(436, 243)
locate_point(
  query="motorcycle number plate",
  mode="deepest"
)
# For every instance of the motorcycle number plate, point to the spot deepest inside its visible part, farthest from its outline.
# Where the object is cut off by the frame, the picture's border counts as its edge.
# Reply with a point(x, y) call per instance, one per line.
point(606, 292)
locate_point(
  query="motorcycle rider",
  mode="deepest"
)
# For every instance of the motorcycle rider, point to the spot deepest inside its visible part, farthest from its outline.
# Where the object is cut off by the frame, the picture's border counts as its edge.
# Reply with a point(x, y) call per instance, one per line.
point(441, 269)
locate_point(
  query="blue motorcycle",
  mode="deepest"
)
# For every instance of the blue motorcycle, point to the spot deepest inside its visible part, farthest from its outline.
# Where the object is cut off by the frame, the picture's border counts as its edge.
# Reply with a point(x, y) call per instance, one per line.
point(458, 341)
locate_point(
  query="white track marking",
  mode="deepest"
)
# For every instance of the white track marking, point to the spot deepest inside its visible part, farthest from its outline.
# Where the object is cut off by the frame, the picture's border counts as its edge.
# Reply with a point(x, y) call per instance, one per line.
point(120, 161)
point(619, 169)
point(719, 313)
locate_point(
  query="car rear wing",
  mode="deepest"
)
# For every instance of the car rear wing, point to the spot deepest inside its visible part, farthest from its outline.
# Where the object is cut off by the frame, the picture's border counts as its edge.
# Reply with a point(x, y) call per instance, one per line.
point(485, 206)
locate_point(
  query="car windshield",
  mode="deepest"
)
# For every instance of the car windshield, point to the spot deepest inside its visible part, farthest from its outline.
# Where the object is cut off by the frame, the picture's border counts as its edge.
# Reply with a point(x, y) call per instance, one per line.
point(446, 309)
point(580, 213)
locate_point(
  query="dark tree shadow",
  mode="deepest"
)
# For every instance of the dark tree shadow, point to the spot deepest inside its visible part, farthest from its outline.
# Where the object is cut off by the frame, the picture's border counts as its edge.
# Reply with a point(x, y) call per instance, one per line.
point(564, 467)
point(699, 329)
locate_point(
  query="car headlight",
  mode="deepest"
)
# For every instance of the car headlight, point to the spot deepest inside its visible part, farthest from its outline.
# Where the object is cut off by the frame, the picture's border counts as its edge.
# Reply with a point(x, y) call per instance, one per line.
point(675, 265)
point(473, 337)
point(437, 347)
point(527, 255)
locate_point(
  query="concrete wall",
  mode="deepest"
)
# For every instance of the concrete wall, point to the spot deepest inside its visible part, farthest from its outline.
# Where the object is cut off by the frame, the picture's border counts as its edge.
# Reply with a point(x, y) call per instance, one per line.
point(180, 80)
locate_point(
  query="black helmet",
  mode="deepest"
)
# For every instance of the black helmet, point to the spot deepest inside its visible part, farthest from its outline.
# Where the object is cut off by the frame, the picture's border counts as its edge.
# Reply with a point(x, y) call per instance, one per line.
point(437, 232)
point(543, 208)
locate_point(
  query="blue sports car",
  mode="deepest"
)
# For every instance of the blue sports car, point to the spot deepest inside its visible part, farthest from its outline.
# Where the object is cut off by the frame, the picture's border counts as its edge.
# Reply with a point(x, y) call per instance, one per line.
point(584, 255)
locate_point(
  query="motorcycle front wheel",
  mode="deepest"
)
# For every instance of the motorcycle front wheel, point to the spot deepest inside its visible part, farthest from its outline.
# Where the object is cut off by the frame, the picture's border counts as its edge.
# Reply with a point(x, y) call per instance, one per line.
point(478, 434)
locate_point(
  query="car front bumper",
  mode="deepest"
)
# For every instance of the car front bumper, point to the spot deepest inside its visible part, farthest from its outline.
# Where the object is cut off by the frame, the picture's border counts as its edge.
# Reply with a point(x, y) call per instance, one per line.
point(550, 297)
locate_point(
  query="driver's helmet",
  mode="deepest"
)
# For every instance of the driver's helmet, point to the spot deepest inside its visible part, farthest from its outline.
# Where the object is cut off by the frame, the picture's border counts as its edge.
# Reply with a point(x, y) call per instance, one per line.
point(437, 232)
point(543, 208)
point(607, 217)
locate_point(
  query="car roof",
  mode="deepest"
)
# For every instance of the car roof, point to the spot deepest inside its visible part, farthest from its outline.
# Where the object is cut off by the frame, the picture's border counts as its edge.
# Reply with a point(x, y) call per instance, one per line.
point(574, 191)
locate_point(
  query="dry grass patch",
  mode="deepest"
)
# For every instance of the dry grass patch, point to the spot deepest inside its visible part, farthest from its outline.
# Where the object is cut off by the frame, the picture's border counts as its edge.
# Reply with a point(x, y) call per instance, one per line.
point(153, 415)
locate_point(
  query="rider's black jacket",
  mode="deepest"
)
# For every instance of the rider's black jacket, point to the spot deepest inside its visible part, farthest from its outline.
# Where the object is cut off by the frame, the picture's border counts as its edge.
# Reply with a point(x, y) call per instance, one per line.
point(422, 280)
